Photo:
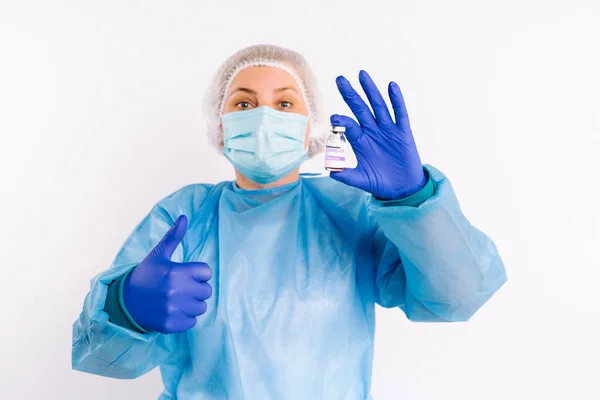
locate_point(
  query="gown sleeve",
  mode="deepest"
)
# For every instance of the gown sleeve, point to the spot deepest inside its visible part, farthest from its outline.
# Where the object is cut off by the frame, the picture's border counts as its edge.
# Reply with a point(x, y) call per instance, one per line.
point(105, 345)
point(429, 260)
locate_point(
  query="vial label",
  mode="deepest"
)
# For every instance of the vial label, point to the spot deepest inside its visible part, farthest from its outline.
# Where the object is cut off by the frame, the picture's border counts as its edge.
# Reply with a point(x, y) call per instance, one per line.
point(335, 157)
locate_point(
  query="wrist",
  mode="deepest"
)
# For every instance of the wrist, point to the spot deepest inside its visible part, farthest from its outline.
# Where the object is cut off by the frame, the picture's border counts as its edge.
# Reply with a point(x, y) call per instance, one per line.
point(416, 198)
point(122, 288)
point(417, 187)
point(410, 190)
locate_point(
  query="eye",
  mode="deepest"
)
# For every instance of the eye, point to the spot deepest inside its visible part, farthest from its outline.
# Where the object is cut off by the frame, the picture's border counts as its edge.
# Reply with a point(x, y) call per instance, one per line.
point(243, 105)
point(285, 104)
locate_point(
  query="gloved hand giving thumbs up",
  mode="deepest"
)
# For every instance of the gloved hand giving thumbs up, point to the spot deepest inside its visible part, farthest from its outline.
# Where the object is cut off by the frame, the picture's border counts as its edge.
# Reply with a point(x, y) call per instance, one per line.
point(165, 296)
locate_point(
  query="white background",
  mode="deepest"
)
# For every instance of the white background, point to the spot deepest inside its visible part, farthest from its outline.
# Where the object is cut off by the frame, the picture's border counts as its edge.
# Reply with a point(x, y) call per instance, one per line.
point(100, 118)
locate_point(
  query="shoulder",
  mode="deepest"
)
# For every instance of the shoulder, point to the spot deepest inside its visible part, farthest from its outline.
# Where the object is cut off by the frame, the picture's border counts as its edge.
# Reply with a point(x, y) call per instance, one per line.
point(189, 200)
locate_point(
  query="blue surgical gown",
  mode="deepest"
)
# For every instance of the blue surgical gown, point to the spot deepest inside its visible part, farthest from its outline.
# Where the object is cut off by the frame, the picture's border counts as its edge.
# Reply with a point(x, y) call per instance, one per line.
point(297, 272)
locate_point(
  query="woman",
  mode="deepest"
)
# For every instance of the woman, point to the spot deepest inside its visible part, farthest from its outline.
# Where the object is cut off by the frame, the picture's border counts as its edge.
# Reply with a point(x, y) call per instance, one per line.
point(295, 264)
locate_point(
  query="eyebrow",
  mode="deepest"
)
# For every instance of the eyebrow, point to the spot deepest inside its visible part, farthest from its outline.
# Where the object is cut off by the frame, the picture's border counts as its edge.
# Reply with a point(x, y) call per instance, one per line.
point(243, 89)
point(278, 90)
point(283, 89)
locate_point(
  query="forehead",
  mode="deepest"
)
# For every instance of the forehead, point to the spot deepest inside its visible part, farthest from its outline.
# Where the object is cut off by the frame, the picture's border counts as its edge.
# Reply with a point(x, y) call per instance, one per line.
point(259, 78)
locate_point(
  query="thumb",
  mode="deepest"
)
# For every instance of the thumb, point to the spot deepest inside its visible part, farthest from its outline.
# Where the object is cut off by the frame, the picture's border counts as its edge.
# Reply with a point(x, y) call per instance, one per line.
point(353, 130)
point(167, 245)
point(351, 176)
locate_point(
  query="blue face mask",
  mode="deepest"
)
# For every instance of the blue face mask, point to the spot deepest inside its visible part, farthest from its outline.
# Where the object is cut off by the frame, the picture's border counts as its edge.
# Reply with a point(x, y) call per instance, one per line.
point(264, 144)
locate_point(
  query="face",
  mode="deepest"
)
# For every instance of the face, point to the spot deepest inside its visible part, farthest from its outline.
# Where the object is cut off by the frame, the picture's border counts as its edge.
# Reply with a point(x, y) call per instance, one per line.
point(265, 86)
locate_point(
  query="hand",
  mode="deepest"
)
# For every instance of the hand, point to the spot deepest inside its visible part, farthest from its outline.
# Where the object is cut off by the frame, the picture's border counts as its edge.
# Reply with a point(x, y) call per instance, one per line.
point(389, 166)
point(165, 296)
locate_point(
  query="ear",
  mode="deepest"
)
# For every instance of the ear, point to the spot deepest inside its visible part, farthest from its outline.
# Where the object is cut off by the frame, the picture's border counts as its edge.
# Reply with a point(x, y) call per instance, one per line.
point(221, 136)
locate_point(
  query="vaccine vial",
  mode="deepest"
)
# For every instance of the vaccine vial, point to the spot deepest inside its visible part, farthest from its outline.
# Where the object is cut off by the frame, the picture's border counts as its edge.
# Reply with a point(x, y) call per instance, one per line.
point(335, 149)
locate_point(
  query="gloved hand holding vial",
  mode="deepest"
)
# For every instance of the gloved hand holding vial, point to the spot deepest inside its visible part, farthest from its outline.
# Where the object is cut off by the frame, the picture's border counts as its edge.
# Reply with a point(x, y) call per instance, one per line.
point(389, 166)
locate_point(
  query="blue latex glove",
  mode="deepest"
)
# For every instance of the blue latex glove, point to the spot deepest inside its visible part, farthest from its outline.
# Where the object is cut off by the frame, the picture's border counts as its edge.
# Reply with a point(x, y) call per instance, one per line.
point(164, 296)
point(389, 166)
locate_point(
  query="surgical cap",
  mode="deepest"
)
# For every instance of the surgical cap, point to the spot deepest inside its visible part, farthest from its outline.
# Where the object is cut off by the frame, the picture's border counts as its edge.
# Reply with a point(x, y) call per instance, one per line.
point(268, 56)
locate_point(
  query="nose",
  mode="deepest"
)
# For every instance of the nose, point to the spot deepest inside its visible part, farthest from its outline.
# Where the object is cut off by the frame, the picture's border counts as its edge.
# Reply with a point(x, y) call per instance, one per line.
point(263, 143)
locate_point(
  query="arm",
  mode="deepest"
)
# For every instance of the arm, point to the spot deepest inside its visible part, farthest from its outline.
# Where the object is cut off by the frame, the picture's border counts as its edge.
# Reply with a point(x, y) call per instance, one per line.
point(430, 261)
point(113, 349)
